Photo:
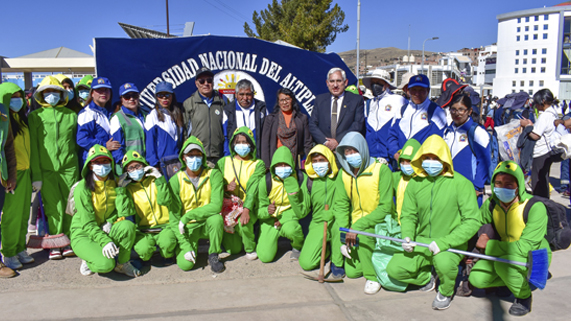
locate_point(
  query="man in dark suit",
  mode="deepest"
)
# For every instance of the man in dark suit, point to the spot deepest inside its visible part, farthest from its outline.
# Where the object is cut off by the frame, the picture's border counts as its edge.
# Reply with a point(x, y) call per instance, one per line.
point(337, 112)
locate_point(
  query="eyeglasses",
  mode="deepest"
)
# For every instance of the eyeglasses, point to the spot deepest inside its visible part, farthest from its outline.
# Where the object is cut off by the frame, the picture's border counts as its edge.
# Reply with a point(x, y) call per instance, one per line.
point(130, 96)
point(164, 96)
point(285, 100)
point(134, 167)
point(203, 80)
point(458, 111)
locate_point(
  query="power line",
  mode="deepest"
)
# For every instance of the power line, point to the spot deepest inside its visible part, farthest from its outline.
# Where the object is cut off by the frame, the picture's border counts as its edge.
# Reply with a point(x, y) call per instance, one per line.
point(228, 13)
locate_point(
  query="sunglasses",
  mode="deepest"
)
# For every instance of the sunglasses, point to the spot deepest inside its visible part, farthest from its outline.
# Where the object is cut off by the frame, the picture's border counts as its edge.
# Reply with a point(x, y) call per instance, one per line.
point(204, 80)
point(130, 96)
point(164, 95)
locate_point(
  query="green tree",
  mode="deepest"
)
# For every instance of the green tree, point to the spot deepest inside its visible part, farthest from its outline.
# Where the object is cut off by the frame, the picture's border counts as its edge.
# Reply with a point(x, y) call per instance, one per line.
point(308, 24)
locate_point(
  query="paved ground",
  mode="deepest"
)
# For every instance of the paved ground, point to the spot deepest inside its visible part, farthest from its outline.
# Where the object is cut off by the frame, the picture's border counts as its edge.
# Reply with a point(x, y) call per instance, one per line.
point(247, 290)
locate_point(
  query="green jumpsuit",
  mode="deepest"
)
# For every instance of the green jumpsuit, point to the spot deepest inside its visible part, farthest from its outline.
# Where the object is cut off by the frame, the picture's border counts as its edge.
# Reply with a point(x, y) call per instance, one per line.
point(443, 209)
point(197, 207)
point(53, 151)
point(518, 237)
point(148, 200)
point(361, 202)
point(322, 197)
point(290, 207)
point(94, 209)
point(17, 206)
point(247, 175)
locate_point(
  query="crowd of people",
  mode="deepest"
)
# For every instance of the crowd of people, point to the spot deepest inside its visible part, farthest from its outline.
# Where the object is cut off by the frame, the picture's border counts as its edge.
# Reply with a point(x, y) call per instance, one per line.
point(233, 173)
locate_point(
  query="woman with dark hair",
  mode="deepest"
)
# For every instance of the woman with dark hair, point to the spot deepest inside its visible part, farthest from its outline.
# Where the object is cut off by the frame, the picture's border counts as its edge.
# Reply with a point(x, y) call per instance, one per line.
point(544, 153)
point(101, 238)
point(286, 126)
point(17, 205)
point(73, 102)
point(469, 144)
point(164, 126)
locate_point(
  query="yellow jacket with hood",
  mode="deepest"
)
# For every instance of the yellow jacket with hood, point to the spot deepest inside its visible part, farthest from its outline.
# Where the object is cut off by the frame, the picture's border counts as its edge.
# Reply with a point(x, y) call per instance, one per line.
point(442, 208)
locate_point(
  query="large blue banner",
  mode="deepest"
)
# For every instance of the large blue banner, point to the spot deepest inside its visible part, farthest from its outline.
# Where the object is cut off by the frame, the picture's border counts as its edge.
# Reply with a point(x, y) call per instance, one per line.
point(269, 66)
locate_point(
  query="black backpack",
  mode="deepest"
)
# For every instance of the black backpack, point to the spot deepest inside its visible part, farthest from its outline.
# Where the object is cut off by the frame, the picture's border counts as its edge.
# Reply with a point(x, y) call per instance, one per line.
point(558, 230)
point(299, 181)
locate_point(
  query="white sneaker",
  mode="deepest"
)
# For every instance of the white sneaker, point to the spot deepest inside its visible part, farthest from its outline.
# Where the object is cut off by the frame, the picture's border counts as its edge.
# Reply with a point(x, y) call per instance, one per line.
point(84, 269)
point(25, 258)
point(127, 269)
point(12, 262)
point(251, 256)
point(372, 287)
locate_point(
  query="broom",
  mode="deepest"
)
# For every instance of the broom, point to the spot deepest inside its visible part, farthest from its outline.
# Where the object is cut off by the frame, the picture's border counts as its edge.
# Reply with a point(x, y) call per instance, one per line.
point(47, 241)
point(537, 261)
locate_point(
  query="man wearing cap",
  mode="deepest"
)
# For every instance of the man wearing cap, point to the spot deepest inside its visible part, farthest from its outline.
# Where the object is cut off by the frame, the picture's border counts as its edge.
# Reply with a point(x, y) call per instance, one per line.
point(203, 115)
point(404, 84)
point(379, 113)
point(128, 124)
point(93, 120)
point(246, 111)
point(420, 119)
point(336, 113)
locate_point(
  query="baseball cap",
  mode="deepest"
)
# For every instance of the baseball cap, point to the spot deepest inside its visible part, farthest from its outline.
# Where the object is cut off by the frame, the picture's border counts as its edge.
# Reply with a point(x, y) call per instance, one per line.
point(419, 81)
point(100, 82)
point(127, 88)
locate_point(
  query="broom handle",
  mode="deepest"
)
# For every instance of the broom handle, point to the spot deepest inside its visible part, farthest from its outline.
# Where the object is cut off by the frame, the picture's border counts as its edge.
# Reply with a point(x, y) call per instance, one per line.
point(44, 220)
point(478, 255)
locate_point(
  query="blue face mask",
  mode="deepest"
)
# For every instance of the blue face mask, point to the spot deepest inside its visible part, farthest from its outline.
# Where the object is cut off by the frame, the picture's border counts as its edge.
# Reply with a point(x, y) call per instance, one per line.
point(432, 167)
point(102, 170)
point(354, 160)
point(407, 169)
point(505, 195)
point(137, 175)
point(70, 94)
point(16, 104)
point(283, 172)
point(51, 98)
point(321, 169)
point(84, 94)
point(194, 162)
point(242, 149)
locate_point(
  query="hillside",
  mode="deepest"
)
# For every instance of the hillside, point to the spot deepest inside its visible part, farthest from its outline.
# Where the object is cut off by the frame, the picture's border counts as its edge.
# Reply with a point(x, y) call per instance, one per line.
point(379, 56)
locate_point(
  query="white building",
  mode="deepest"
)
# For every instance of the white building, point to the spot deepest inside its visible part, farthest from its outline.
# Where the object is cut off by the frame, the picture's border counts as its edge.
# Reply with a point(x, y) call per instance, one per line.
point(532, 46)
point(486, 70)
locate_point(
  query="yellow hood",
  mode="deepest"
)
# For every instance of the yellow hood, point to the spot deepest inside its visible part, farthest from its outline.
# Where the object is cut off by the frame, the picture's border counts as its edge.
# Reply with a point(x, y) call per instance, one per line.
point(437, 146)
point(321, 149)
point(53, 83)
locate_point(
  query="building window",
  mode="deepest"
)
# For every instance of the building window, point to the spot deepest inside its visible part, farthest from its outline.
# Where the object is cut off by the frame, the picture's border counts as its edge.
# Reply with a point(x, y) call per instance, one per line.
point(531, 83)
point(518, 29)
point(536, 18)
point(525, 52)
point(517, 38)
point(544, 51)
point(525, 61)
point(515, 71)
point(543, 60)
point(526, 28)
point(534, 51)
point(545, 17)
point(533, 60)
point(517, 52)
point(513, 91)
point(518, 20)
point(517, 61)
point(526, 19)
point(535, 36)
point(536, 27)
point(522, 83)
point(513, 83)
point(523, 70)
point(542, 70)
point(545, 27)
point(541, 83)
point(544, 36)
point(526, 37)
point(533, 70)
point(530, 92)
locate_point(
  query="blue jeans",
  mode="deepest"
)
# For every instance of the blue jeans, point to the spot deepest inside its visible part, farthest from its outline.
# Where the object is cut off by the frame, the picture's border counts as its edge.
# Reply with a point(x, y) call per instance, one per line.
point(564, 178)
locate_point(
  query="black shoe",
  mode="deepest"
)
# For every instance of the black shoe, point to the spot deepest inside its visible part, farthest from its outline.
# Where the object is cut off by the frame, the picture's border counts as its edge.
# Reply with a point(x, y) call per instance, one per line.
point(503, 292)
point(215, 265)
point(521, 307)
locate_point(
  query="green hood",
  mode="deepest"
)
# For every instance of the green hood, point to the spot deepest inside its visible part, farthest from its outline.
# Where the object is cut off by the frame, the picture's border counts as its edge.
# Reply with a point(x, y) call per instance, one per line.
point(249, 136)
point(512, 168)
point(131, 156)
point(7, 89)
point(96, 151)
point(282, 155)
point(191, 140)
point(409, 150)
point(85, 82)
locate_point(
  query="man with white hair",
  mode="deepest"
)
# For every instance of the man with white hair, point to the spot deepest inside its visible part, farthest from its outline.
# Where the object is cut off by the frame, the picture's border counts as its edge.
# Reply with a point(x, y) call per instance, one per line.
point(379, 113)
point(337, 112)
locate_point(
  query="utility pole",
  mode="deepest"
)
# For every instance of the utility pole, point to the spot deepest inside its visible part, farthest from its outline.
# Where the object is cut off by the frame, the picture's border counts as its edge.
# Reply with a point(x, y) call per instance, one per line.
point(422, 66)
point(168, 31)
point(358, 34)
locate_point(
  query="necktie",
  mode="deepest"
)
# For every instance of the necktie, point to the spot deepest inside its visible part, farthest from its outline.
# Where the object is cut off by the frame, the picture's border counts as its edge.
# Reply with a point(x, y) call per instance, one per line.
point(334, 117)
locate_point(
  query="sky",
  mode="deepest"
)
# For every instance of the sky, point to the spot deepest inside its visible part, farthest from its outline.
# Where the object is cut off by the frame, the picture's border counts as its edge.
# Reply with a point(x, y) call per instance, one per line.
point(38, 26)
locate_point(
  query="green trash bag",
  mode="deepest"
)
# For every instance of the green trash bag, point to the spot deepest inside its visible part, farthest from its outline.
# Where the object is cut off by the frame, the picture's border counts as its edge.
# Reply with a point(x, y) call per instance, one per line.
point(384, 251)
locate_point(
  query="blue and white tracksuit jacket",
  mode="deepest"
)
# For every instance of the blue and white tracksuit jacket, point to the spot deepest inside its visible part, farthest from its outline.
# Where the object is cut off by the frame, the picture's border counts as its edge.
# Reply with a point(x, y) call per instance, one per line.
point(164, 138)
point(92, 128)
point(378, 119)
